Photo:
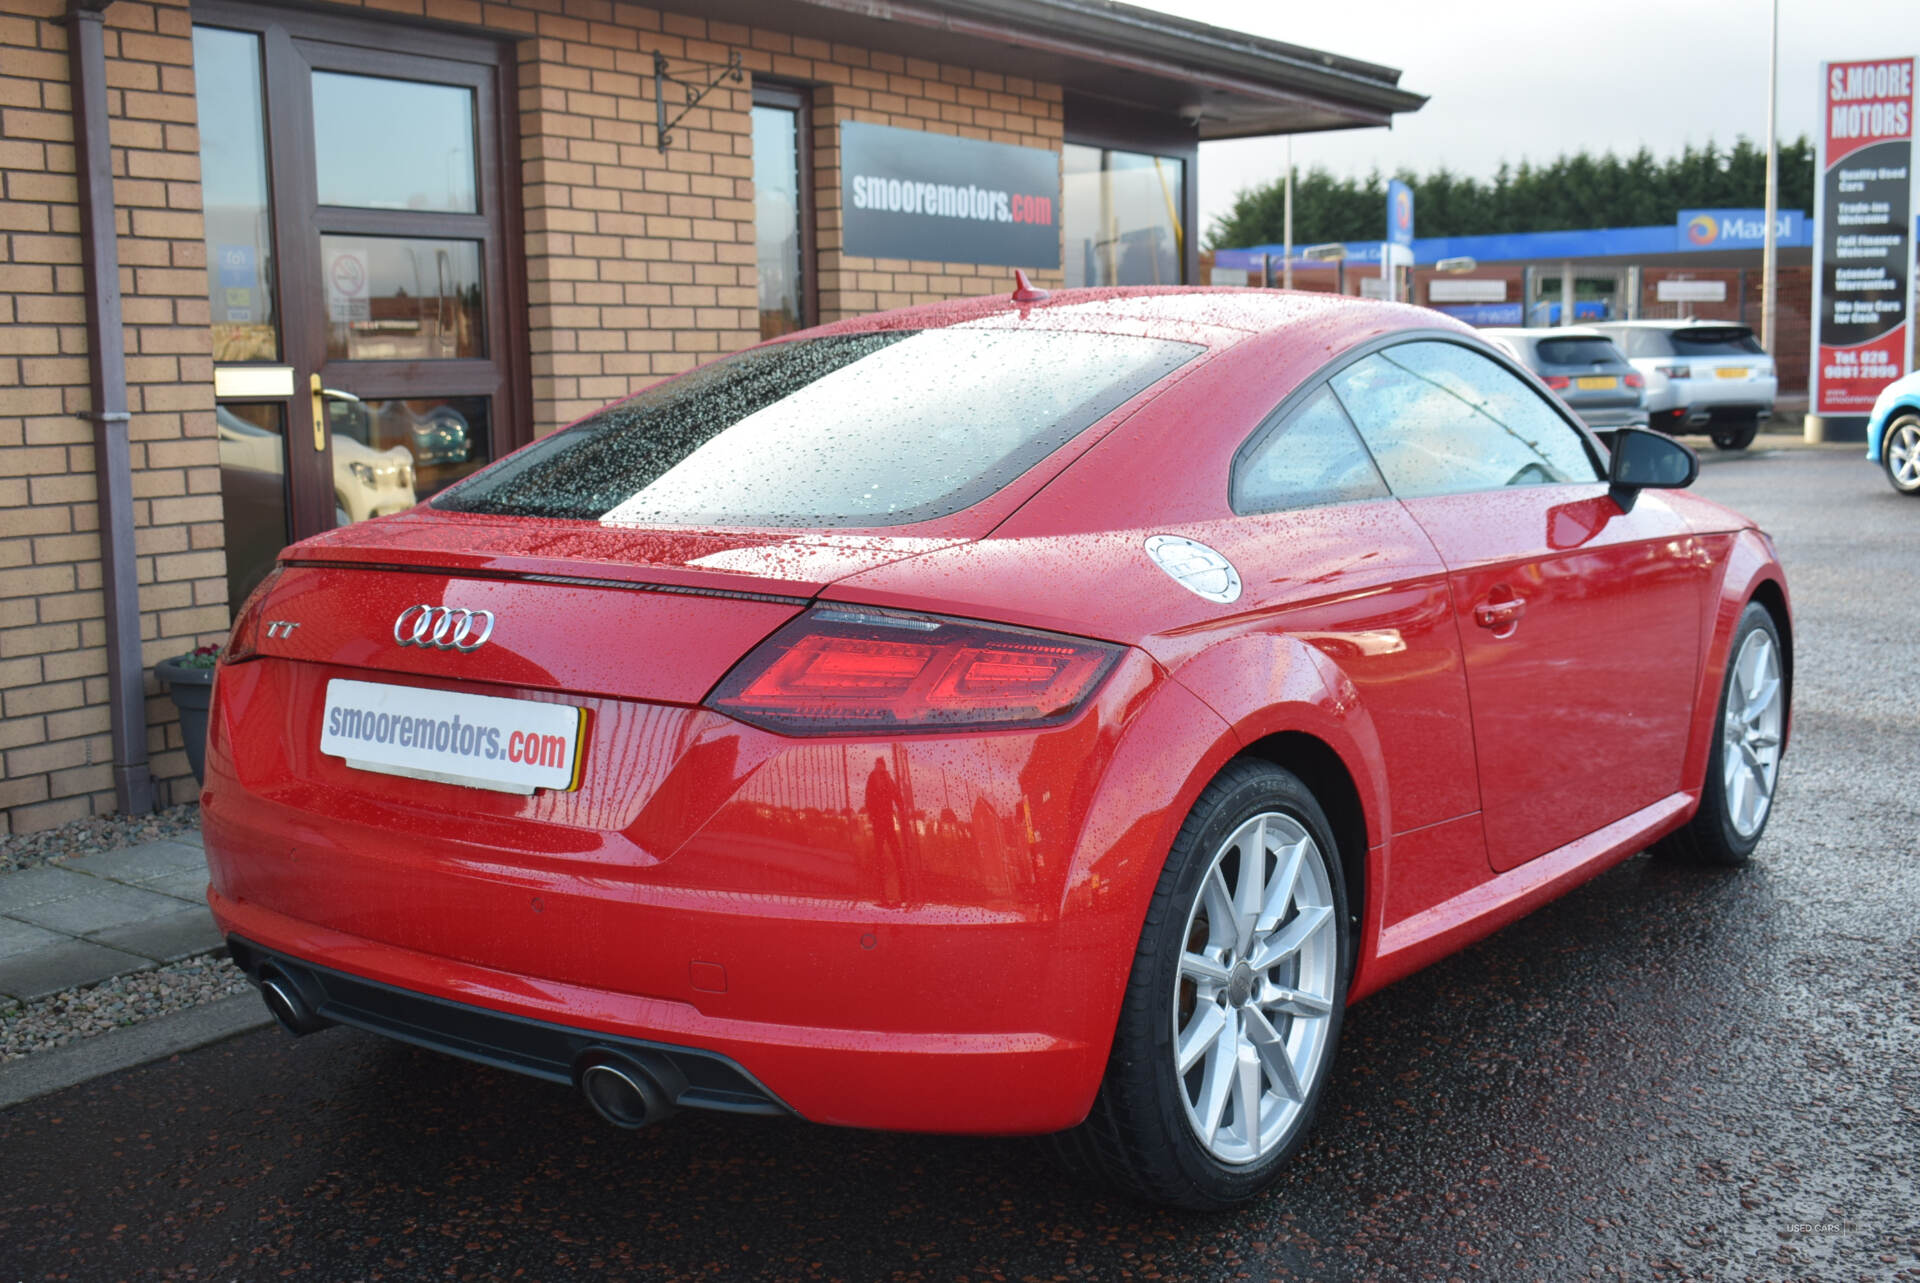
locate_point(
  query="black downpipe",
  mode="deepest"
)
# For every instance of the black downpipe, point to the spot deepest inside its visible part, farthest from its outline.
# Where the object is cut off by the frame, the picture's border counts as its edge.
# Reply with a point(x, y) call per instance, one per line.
point(107, 377)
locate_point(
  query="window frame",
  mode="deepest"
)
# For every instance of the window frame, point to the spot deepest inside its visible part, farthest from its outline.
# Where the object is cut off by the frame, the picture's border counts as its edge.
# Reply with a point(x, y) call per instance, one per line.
point(1114, 126)
point(797, 97)
point(1353, 356)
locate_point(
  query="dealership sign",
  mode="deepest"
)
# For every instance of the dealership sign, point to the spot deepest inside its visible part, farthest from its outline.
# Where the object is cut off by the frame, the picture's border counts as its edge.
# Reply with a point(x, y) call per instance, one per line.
point(1863, 234)
point(909, 194)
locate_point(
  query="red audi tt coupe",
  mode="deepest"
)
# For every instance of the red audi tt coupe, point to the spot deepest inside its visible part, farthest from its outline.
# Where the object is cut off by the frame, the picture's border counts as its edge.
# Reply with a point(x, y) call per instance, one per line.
point(1025, 715)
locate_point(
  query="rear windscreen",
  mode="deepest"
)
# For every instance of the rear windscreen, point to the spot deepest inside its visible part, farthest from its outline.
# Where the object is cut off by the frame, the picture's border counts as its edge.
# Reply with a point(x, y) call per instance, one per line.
point(843, 430)
point(1719, 340)
point(1578, 352)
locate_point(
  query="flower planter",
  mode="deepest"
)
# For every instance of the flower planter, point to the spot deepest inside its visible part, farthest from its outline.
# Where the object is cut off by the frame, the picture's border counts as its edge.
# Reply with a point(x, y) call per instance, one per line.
point(191, 686)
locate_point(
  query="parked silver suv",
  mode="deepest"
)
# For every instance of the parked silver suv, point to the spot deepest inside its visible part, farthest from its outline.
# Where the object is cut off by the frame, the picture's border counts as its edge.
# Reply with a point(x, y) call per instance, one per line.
point(1584, 369)
point(1702, 376)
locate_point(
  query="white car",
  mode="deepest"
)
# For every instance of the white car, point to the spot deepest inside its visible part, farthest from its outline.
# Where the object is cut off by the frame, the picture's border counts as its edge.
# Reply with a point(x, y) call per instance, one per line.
point(1893, 433)
point(1702, 376)
point(366, 482)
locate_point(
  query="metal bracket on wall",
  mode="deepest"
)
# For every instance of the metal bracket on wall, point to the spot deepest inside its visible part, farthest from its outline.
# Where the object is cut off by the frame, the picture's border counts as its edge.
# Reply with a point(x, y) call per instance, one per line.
point(663, 127)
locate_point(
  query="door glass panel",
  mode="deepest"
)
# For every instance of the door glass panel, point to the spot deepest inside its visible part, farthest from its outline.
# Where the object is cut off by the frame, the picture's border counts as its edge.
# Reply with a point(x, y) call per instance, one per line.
point(393, 144)
point(776, 217)
point(233, 175)
point(1122, 212)
point(253, 491)
point(1441, 419)
point(394, 299)
point(444, 438)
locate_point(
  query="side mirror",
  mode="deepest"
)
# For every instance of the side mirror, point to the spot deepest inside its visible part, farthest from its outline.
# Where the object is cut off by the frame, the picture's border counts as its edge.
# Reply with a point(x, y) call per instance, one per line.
point(1643, 459)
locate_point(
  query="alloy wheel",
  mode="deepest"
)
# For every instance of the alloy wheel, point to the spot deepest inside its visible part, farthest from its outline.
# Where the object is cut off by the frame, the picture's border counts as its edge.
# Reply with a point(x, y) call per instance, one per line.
point(1750, 733)
point(1903, 455)
point(1252, 1010)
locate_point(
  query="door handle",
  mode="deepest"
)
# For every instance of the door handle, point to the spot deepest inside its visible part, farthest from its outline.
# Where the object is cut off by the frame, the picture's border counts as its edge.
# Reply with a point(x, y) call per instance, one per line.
point(322, 395)
point(1502, 616)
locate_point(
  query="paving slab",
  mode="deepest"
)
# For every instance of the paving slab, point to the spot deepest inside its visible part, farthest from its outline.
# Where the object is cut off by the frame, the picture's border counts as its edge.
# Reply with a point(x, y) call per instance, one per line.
point(143, 863)
point(186, 884)
point(109, 904)
point(168, 939)
point(19, 937)
point(66, 965)
point(26, 888)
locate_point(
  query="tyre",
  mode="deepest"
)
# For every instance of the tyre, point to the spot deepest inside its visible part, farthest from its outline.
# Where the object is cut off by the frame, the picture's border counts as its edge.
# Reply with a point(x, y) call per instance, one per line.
point(1738, 436)
point(1900, 454)
point(1743, 767)
point(1232, 1011)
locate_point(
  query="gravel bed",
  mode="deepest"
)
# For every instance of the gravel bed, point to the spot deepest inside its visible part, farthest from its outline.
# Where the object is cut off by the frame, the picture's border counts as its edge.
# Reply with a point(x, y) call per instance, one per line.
point(94, 834)
point(71, 1014)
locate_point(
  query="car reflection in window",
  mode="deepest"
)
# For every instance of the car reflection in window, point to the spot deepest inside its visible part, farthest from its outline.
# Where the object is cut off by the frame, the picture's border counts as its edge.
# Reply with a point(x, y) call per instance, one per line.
point(366, 482)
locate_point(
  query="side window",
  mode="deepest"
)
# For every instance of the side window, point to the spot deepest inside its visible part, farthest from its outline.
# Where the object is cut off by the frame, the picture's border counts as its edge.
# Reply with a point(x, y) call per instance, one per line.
point(1442, 419)
point(1314, 457)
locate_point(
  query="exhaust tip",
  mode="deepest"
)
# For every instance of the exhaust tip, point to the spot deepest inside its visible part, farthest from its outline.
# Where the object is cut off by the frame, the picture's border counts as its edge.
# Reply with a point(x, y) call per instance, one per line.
point(288, 1007)
point(626, 1093)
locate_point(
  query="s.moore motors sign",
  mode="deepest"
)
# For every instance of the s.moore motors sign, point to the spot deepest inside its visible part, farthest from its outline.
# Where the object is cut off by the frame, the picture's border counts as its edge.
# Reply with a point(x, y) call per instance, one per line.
point(1863, 239)
point(908, 194)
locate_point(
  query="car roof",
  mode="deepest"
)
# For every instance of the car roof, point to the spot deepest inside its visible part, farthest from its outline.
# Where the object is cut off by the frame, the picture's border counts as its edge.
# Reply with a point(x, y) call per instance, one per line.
point(1689, 323)
point(1217, 317)
point(1543, 332)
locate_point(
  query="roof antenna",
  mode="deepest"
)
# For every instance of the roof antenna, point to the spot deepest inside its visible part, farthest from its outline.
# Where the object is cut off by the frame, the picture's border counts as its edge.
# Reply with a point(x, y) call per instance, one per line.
point(1023, 289)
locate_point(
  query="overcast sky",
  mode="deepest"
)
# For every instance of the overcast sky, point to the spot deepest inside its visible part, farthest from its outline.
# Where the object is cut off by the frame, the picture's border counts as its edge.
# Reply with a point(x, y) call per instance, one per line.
point(1508, 79)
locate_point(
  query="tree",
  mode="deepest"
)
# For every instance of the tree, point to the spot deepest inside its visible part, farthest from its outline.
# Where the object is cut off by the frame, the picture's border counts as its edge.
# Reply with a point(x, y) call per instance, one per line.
point(1576, 191)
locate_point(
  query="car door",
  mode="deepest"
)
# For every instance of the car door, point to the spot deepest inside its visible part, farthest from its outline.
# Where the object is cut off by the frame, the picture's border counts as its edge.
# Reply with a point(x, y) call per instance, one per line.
point(1579, 619)
point(1330, 558)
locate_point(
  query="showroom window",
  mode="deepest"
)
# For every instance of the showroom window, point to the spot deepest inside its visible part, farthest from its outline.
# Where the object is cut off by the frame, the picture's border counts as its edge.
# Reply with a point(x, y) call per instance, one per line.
point(1125, 216)
point(783, 208)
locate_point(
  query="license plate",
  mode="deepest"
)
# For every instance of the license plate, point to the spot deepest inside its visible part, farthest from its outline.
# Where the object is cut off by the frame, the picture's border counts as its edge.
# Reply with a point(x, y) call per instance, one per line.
point(475, 741)
point(1595, 382)
point(1732, 372)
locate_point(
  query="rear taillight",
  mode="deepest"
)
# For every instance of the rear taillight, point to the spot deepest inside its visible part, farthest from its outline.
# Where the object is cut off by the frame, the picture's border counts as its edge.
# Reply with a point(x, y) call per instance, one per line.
point(1674, 371)
point(243, 642)
point(1633, 380)
point(849, 670)
point(1558, 382)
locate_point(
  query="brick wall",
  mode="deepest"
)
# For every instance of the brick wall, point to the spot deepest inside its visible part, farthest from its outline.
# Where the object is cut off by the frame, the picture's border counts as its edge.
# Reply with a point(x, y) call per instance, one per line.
point(639, 264)
point(53, 714)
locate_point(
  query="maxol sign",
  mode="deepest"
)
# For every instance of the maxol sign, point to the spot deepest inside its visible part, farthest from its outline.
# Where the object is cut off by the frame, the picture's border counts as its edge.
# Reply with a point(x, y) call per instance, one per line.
point(908, 194)
point(1863, 234)
point(1737, 228)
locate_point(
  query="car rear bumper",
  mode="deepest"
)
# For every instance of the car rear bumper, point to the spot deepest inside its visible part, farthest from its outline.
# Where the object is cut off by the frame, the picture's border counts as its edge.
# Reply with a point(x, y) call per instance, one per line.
point(1703, 418)
point(1712, 394)
point(537, 1048)
point(1617, 416)
point(1014, 1082)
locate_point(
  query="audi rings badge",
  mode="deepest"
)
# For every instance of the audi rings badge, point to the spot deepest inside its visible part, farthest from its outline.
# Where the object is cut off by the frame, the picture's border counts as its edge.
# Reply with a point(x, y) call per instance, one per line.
point(443, 627)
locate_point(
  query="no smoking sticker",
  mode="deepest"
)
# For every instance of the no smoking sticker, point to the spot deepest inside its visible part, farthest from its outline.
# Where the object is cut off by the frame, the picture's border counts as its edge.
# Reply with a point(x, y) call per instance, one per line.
point(347, 286)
